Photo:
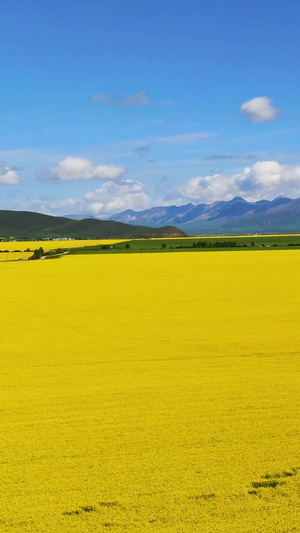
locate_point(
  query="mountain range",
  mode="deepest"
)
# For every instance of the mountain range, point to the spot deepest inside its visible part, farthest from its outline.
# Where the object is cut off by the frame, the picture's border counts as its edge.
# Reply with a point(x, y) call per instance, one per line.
point(281, 215)
point(236, 216)
point(29, 225)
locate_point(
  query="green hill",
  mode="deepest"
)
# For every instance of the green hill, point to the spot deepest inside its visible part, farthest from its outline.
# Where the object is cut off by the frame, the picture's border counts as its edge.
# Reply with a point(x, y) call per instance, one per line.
point(28, 225)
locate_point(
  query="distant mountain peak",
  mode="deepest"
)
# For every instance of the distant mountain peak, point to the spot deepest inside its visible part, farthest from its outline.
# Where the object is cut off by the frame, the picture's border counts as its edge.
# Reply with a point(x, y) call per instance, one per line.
point(280, 197)
point(238, 199)
point(279, 200)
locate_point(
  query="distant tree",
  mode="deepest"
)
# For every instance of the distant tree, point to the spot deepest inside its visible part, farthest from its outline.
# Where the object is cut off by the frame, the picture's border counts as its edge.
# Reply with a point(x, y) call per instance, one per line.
point(37, 254)
point(127, 246)
point(164, 245)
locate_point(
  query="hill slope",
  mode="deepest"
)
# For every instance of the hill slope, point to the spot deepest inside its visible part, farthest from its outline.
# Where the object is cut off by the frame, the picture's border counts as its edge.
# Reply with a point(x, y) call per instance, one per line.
point(28, 225)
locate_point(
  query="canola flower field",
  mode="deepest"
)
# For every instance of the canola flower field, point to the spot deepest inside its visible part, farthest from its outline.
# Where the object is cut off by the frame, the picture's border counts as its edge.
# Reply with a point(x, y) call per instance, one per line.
point(151, 393)
point(14, 256)
point(53, 245)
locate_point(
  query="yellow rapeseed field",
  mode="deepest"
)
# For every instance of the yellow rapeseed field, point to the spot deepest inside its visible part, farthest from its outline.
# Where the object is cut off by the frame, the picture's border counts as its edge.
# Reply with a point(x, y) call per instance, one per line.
point(53, 245)
point(151, 392)
point(14, 256)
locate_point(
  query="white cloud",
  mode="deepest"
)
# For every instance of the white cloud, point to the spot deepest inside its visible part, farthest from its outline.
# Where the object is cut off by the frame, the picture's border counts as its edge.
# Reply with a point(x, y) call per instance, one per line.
point(208, 189)
point(8, 176)
point(113, 197)
point(138, 99)
point(259, 109)
point(265, 179)
point(271, 178)
point(76, 168)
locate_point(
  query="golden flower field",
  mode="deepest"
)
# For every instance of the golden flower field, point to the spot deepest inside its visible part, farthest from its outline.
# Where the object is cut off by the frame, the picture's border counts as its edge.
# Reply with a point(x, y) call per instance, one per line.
point(53, 245)
point(151, 392)
point(14, 256)
point(8, 249)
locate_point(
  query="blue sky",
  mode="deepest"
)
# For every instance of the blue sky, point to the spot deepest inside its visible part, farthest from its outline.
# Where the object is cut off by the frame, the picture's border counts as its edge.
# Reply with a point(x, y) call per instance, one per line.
point(127, 104)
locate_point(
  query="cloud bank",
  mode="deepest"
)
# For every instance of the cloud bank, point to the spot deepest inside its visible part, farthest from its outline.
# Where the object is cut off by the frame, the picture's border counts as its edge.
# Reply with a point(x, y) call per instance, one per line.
point(265, 179)
point(110, 198)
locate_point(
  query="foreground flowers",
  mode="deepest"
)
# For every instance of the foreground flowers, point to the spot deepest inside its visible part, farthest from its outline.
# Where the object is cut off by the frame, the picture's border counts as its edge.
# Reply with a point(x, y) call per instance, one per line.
point(151, 392)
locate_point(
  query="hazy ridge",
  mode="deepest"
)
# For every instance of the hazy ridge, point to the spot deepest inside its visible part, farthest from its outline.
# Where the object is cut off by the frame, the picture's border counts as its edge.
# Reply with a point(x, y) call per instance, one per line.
point(29, 225)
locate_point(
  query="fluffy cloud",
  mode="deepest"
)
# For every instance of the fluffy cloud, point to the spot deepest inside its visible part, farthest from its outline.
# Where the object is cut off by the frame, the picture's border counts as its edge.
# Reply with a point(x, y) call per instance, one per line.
point(8, 176)
point(207, 189)
point(259, 109)
point(270, 178)
point(113, 197)
point(139, 99)
point(265, 179)
point(76, 168)
point(110, 198)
